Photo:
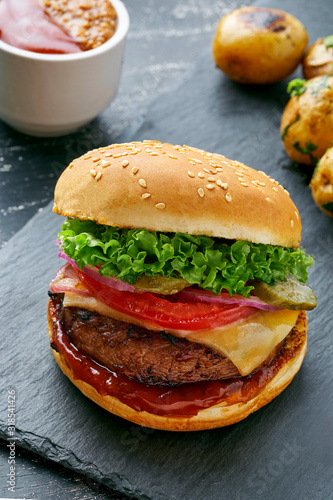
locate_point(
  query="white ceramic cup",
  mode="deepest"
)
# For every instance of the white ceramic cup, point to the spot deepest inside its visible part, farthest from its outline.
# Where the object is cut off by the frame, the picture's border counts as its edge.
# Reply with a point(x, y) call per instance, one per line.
point(52, 95)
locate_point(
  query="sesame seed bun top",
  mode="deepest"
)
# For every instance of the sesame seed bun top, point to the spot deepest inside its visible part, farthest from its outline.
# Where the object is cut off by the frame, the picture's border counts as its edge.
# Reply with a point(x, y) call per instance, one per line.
point(169, 188)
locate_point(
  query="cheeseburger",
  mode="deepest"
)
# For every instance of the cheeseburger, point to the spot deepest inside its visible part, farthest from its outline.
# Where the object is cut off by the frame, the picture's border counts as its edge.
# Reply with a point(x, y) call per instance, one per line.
point(181, 302)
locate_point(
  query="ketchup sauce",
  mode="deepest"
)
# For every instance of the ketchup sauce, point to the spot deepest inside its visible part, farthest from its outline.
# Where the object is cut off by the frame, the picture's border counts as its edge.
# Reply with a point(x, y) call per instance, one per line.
point(25, 25)
point(185, 400)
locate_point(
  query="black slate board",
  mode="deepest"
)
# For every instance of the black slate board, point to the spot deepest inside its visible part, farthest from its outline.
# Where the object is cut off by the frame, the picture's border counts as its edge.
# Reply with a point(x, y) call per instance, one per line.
point(285, 449)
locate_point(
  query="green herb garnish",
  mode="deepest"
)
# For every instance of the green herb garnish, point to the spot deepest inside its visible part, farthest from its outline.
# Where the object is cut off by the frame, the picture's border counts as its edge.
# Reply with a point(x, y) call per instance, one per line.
point(296, 87)
point(307, 150)
point(316, 85)
point(328, 41)
point(210, 263)
point(284, 133)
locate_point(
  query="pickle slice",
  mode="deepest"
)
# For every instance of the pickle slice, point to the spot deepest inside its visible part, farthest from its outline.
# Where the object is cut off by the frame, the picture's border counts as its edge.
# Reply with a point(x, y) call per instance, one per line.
point(160, 284)
point(288, 294)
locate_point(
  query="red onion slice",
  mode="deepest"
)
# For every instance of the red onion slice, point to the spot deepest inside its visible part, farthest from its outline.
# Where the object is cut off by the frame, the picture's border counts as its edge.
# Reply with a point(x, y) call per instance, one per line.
point(93, 273)
point(193, 295)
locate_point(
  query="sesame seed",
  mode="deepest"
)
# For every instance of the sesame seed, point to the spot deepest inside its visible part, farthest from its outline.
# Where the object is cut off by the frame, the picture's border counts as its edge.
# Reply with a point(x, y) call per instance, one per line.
point(117, 156)
point(268, 199)
point(173, 157)
point(224, 185)
point(124, 163)
point(160, 206)
point(206, 170)
point(93, 172)
point(219, 169)
point(135, 170)
point(105, 163)
point(142, 183)
point(146, 195)
point(71, 165)
point(108, 155)
point(275, 189)
point(219, 182)
point(239, 173)
point(245, 184)
point(287, 192)
point(148, 150)
point(201, 175)
point(98, 176)
point(96, 159)
point(192, 162)
point(190, 174)
point(211, 179)
point(201, 192)
point(255, 183)
point(292, 223)
point(210, 186)
point(153, 153)
point(260, 183)
point(87, 157)
point(228, 197)
point(102, 151)
point(134, 152)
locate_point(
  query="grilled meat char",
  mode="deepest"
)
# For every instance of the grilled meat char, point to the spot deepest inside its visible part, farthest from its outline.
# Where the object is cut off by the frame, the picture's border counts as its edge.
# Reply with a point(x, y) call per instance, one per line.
point(147, 356)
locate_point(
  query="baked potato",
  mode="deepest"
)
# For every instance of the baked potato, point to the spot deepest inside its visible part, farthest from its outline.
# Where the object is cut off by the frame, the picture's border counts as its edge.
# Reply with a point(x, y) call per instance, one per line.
point(322, 183)
point(319, 59)
point(307, 121)
point(257, 45)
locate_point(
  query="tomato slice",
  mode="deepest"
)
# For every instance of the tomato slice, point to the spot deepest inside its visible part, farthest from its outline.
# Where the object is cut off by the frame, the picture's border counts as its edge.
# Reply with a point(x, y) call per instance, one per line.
point(167, 315)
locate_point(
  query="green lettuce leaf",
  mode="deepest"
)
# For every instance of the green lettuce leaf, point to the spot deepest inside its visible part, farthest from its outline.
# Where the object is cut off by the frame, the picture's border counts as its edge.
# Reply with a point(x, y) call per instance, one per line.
point(211, 263)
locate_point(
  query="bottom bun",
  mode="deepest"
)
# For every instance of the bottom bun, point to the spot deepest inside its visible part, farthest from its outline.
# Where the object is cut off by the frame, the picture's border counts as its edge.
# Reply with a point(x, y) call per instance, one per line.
point(290, 358)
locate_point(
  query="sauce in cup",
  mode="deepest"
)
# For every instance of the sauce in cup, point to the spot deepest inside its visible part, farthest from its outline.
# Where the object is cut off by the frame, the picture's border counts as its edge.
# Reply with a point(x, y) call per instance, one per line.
point(56, 26)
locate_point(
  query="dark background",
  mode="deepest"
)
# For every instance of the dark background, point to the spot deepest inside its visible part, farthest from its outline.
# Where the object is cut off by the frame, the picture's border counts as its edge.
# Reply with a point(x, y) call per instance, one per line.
point(291, 439)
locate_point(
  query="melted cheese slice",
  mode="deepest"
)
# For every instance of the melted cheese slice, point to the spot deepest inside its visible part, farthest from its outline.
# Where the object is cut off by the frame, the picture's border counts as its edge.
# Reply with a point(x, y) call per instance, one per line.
point(246, 343)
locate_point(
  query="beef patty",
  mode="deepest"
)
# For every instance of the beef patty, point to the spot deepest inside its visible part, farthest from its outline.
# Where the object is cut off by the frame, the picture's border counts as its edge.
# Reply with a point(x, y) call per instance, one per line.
point(147, 356)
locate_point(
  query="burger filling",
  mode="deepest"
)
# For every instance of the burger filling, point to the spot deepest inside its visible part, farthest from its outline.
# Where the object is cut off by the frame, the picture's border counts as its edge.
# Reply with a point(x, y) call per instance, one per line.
point(174, 308)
